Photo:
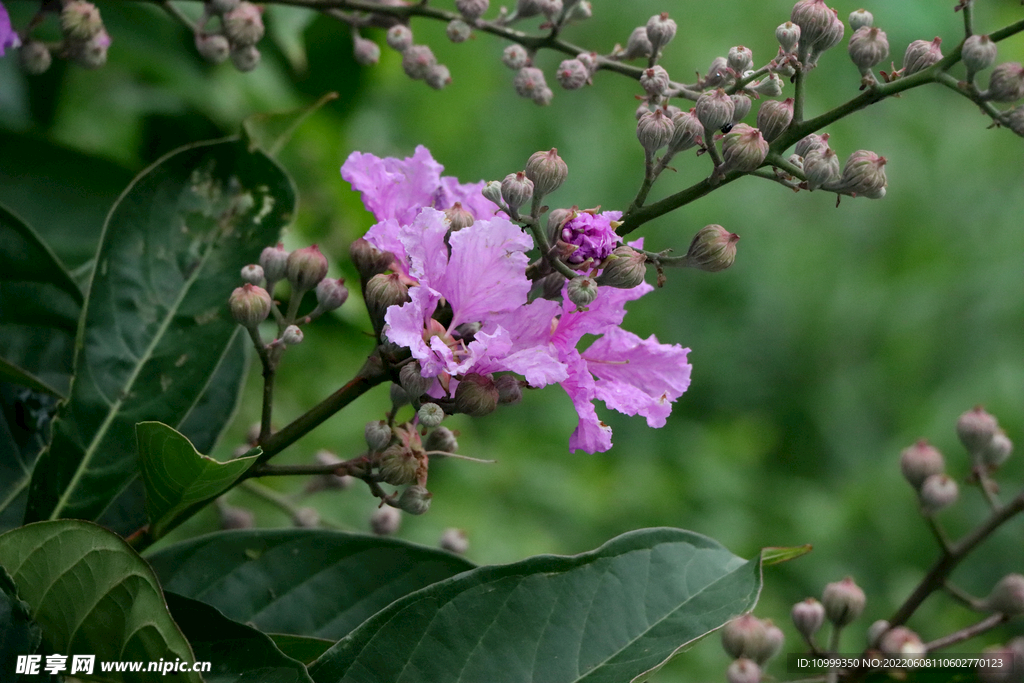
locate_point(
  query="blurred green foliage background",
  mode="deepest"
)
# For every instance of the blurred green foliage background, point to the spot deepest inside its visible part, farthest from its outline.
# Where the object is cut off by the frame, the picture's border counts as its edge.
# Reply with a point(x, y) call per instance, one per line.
point(840, 336)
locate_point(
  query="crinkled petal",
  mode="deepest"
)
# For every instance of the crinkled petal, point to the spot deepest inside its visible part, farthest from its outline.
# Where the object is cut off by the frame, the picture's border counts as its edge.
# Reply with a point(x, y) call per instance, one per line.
point(638, 376)
point(486, 273)
point(605, 312)
point(384, 236)
point(8, 36)
point(591, 434)
point(406, 324)
point(424, 243)
point(469, 195)
point(394, 188)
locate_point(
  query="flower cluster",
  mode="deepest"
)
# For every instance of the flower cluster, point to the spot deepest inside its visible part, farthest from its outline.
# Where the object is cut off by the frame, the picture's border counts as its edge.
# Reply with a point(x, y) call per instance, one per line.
point(469, 312)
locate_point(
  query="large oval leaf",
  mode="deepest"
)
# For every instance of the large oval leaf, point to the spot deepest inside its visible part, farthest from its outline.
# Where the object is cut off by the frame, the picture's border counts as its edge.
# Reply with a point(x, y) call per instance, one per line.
point(156, 324)
point(307, 582)
point(92, 594)
point(614, 614)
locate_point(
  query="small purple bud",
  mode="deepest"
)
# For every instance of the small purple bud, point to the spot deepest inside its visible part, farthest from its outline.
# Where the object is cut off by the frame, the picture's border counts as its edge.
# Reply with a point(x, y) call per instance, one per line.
point(476, 395)
point(572, 74)
point(399, 37)
point(458, 31)
point(1007, 596)
point(365, 52)
point(244, 24)
point(868, 47)
point(861, 19)
point(788, 35)
point(378, 435)
point(305, 268)
point(743, 149)
point(808, 616)
point(978, 53)
point(743, 671)
point(740, 59)
point(274, 261)
point(515, 57)
point(654, 130)
point(975, 428)
point(471, 10)
point(417, 60)
point(415, 500)
point(34, 57)
point(245, 58)
point(654, 81)
point(638, 45)
point(331, 294)
point(253, 274)
point(712, 249)
point(516, 189)
point(529, 81)
point(920, 55)
point(843, 601)
point(1006, 84)
point(660, 31)
point(774, 117)
point(715, 109)
point(250, 305)
point(385, 521)
point(454, 541)
point(920, 461)
point(547, 171)
point(213, 47)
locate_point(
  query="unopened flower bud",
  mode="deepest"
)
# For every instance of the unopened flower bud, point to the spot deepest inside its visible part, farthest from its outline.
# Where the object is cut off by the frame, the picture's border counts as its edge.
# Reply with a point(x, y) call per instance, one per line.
point(515, 57)
point(244, 24)
point(415, 500)
point(385, 521)
point(660, 31)
point(876, 631)
point(832, 36)
point(788, 35)
point(741, 106)
point(232, 517)
point(430, 415)
point(821, 167)
point(920, 55)
point(529, 81)
point(274, 261)
point(624, 269)
point(920, 461)
point(654, 81)
point(712, 249)
point(863, 175)
point(306, 267)
point(797, 161)
point(443, 440)
point(399, 396)
point(743, 671)
point(572, 74)
point(1006, 84)
point(417, 60)
point(306, 518)
point(291, 336)
point(365, 52)
point(378, 435)
point(860, 19)
point(454, 541)
point(471, 10)
point(806, 144)
point(1007, 596)
point(582, 291)
point(1014, 119)
point(476, 395)
point(438, 77)
point(330, 481)
point(743, 636)
point(250, 305)
point(770, 86)
point(551, 8)
point(900, 641)
point(80, 21)
point(92, 53)
point(715, 109)
point(528, 8)
point(458, 31)
point(253, 274)
point(213, 47)
point(718, 74)
point(978, 53)
point(580, 11)
point(975, 428)
point(687, 132)
point(743, 148)
point(868, 46)
point(368, 260)
point(411, 379)
point(383, 291)
point(547, 171)
point(808, 616)
point(399, 37)
point(509, 390)
point(543, 96)
point(996, 451)
point(245, 58)
point(740, 59)
point(34, 57)
point(458, 217)
point(774, 117)
point(516, 190)
point(638, 45)
point(492, 191)
point(771, 645)
point(398, 465)
point(331, 294)
point(814, 19)
point(938, 491)
point(843, 601)
point(654, 130)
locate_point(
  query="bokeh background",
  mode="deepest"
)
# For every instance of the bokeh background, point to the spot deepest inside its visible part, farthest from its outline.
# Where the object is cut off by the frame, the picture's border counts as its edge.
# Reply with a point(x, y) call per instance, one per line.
point(839, 337)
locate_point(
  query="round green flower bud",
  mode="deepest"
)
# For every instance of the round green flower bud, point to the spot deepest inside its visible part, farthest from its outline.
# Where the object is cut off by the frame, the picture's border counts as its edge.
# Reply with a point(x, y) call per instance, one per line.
point(516, 190)
point(814, 19)
point(654, 81)
point(253, 274)
point(476, 395)
point(430, 415)
point(291, 336)
point(415, 500)
point(788, 35)
point(398, 465)
point(806, 144)
point(975, 429)
point(771, 645)
point(771, 86)
point(244, 24)
point(718, 74)
point(660, 31)
point(492, 191)
point(417, 61)
point(821, 167)
point(996, 451)
point(306, 267)
point(509, 390)
point(383, 291)
point(920, 461)
point(742, 636)
point(1014, 119)
point(443, 440)
point(712, 249)
point(274, 261)
point(250, 305)
point(876, 631)
point(89, 54)
point(625, 268)
point(843, 601)
point(638, 45)
point(213, 47)
point(860, 19)
point(572, 74)
point(741, 106)
point(411, 379)
point(232, 517)
point(740, 59)
point(938, 491)
point(245, 58)
point(863, 175)
point(547, 171)
point(367, 259)
point(378, 435)
point(1006, 84)
point(687, 132)
point(582, 291)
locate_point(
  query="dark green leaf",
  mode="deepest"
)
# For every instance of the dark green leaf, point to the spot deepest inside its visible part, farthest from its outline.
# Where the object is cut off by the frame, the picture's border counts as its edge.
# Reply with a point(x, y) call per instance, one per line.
point(614, 614)
point(236, 652)
point(178, 478)
point(39, 309)
point(91, 593)
point(19, 635)
point(302, 648)
point(24, 430)
point(270, 132)
point(156, 324)
point(308, 582)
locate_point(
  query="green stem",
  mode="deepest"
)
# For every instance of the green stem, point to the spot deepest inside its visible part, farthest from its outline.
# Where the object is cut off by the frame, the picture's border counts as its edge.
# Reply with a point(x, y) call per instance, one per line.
point(968, 10)
point(986, 624)
point(282, 502)
point(833, 647)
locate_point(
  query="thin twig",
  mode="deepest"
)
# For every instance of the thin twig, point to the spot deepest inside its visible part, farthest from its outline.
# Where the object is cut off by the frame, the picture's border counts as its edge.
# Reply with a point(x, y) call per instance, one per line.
point(986, 624)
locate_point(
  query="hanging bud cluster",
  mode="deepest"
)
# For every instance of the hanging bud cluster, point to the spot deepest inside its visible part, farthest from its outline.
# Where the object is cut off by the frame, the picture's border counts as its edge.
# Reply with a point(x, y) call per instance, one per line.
point(820, 29)
point(924, 468)
point(84, 40)
point(985, 441)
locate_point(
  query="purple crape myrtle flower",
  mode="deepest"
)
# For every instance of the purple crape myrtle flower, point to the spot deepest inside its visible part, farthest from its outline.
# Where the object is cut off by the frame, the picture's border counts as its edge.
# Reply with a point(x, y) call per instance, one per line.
point(8, 36)
point(592, 235)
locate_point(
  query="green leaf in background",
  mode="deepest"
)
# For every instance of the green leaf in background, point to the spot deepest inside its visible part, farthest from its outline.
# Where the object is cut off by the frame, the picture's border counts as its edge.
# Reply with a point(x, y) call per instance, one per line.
point(91, 593)
point(235, 651)
point(613, 614)
point(19, 635)
point(178, 478)
point(24, 430)
point(301, 648)
point(778, 555)
point(308, 582)
point(156, 324)
point(39, 309)
point(270, 132)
